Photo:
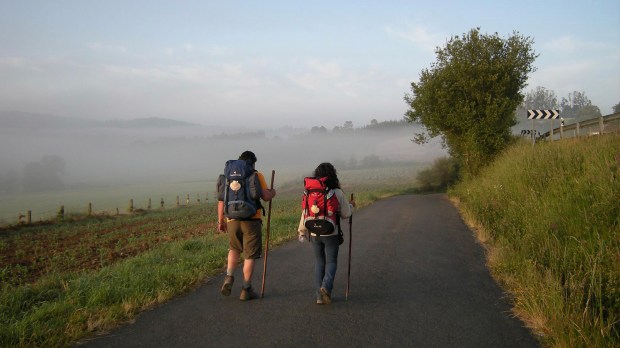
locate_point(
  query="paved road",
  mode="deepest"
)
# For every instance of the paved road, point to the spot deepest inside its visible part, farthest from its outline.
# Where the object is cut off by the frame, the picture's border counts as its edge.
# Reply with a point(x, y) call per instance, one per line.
point(418, 279)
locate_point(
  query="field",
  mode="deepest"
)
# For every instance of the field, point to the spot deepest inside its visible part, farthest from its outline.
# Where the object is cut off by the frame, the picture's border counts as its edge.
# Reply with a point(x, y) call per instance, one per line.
point(67, 280)
point(104, 200)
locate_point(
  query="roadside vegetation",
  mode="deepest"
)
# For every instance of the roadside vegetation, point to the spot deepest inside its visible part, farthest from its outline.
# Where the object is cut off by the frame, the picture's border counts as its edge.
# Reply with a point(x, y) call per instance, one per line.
point(63, 282)
point(549, 216)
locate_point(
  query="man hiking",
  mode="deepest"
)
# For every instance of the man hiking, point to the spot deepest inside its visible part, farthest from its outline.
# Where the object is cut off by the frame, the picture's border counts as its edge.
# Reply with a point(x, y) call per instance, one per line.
point(244, 233)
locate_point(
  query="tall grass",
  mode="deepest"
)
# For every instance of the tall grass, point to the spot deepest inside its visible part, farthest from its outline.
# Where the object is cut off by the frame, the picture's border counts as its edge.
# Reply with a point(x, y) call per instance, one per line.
point(550, 216)
point(68, 304)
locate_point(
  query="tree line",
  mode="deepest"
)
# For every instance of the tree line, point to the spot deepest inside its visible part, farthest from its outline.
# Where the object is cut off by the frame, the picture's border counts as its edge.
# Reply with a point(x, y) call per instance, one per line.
point(43, 175)
point(374, 125)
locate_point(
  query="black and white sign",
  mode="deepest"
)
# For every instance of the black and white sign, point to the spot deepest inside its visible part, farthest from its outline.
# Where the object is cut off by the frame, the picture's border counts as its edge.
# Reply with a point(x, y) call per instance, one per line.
point(543, 114)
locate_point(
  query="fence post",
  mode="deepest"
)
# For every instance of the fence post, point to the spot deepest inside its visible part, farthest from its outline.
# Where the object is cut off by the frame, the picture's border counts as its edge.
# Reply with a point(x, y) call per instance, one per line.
point(61, 213)
point(187, 199)
point(178, 202)
point(131, 205)
point(149, 207)
point(551, 132)
point(198, 198)
point(162, 202)
point(29, 217)
point(90, 208)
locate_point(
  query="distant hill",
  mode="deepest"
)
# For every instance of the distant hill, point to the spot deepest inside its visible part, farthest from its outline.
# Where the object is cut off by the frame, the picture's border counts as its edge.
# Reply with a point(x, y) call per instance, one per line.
point(19, 119)
point(151, 122)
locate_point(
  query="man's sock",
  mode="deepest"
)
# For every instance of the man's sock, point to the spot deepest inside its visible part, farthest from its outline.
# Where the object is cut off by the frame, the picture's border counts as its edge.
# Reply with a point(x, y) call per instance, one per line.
point(230, 272)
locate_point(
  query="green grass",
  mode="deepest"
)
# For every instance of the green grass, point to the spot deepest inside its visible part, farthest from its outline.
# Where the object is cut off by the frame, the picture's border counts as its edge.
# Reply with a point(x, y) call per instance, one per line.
point(550, 216)
point(134, 262)
point(45, 205)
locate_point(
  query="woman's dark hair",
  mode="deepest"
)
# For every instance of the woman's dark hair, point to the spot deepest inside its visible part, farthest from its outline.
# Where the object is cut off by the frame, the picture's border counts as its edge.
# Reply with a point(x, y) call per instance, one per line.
point(248, 156)
point(327, 170)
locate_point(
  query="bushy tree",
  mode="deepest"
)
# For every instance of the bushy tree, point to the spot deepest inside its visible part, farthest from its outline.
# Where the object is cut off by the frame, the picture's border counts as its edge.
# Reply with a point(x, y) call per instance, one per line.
point(579, 107)
point(616, 108)
point(588, 112)
point(443, 173)
point(318, 130)
point(470, 94)
point(541, 98)
point(44, 175)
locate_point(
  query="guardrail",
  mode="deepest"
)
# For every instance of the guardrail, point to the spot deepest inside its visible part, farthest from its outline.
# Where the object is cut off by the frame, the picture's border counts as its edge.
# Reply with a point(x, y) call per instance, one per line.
point(595, 126)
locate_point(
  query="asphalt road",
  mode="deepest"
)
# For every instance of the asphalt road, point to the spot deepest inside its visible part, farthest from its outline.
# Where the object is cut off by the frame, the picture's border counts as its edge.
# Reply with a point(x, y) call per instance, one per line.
point(418, 279)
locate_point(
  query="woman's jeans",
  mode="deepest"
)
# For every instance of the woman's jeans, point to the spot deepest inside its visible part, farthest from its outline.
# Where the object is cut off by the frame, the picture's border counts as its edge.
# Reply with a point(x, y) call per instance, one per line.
point(326, 254)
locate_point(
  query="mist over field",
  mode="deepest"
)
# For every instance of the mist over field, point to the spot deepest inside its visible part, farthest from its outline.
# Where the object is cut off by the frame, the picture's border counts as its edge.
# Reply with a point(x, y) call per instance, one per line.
point(48, 161)
point(61, 156)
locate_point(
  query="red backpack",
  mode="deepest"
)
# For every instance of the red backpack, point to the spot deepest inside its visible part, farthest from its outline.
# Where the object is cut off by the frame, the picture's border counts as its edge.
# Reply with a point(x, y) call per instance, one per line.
point(320, 207)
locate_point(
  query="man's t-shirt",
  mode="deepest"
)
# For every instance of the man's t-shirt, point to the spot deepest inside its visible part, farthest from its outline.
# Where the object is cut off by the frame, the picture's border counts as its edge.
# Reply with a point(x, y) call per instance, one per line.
point(263, 185)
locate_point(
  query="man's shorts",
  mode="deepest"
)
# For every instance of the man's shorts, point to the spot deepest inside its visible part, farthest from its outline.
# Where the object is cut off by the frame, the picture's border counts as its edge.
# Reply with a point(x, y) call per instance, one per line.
point(245, 237)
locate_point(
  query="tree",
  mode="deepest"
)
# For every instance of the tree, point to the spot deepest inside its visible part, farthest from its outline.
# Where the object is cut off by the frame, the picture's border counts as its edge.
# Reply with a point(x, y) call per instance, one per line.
point(616, 108)
point(318, 130)
point(43, 175)
point(571, 106)
point(11, 182)
point(470, 94)
point(588, 112)
point(541, 99)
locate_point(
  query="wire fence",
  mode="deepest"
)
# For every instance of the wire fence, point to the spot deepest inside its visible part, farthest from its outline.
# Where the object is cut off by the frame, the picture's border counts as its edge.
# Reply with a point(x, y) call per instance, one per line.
point(62, 212)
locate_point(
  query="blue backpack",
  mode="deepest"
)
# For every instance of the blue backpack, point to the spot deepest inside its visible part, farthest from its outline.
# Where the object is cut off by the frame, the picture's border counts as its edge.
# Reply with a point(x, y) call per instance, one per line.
point(239, 188)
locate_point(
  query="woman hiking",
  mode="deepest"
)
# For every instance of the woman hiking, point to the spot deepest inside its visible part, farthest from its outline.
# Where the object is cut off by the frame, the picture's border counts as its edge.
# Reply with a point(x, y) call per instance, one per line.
point(325, 245)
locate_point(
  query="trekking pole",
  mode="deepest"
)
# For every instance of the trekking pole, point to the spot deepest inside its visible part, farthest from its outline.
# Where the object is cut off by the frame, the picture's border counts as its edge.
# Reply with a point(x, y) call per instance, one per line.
point(346, 296)
point(262, 290)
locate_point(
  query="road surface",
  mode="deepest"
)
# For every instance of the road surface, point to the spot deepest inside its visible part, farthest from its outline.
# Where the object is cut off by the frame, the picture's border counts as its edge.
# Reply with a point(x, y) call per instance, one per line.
point(418, 279)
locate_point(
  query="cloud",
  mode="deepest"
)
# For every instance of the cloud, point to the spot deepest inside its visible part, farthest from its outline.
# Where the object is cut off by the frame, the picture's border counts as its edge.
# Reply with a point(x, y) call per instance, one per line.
point(13, 65)
point(419, 35)
point(100, 47)
point(569, 44)
point(317, 75)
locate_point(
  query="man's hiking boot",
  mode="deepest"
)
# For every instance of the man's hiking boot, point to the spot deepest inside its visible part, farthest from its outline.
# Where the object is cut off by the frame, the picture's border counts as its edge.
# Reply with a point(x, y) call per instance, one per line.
point(228, 283)
point(325, 296)
point(247, 294)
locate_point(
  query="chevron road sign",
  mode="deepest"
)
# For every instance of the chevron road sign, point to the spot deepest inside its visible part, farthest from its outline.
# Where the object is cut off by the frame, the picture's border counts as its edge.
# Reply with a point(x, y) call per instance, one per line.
point(542, 114)
point(529, 132)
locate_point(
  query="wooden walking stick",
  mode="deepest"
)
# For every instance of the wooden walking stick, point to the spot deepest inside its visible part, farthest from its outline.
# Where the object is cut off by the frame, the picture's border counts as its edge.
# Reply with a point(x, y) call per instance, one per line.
point(262, 290)
point(350, 242)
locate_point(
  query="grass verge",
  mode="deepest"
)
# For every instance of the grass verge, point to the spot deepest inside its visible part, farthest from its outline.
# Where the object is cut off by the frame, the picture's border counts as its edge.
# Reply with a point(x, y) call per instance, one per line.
point(549, 216)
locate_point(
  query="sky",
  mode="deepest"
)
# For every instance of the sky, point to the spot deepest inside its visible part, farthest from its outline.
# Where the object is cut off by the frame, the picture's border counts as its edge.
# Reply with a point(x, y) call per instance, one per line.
point(269, 64)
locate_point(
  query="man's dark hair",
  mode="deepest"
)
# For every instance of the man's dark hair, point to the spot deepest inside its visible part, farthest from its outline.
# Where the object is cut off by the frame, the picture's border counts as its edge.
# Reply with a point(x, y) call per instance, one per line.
point(327, 170)
point(248, 156)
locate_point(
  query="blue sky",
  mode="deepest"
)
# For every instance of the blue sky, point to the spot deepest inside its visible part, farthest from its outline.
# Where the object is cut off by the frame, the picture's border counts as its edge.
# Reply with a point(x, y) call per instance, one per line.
point(275, 63)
